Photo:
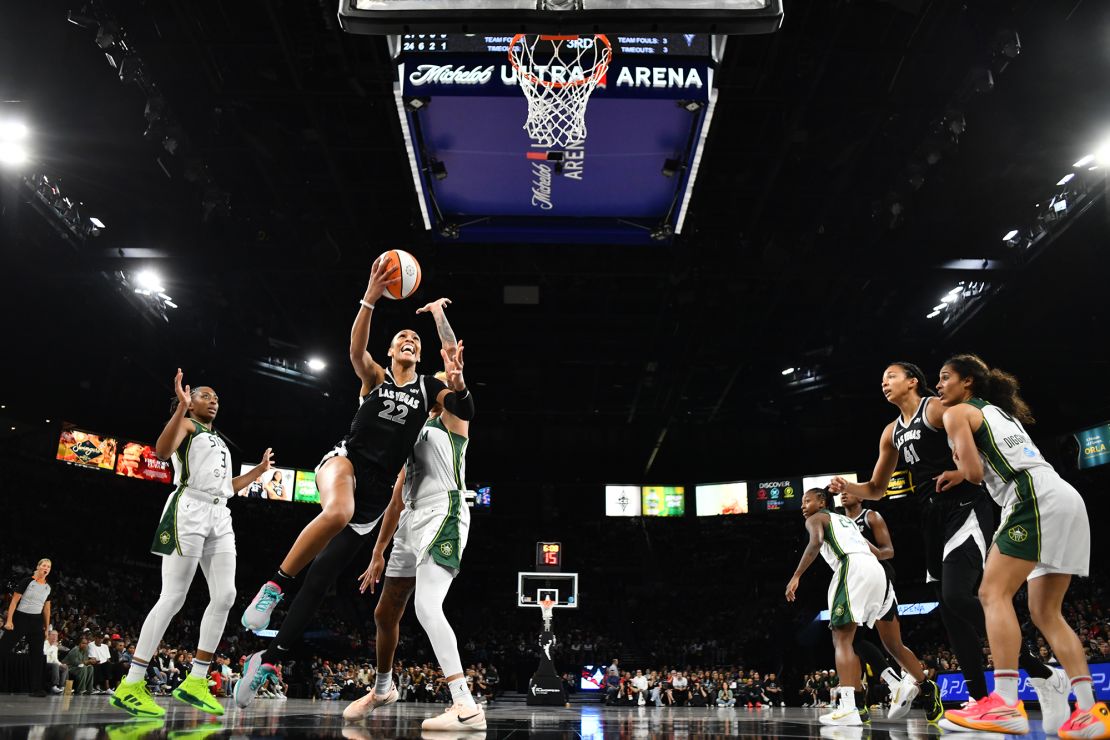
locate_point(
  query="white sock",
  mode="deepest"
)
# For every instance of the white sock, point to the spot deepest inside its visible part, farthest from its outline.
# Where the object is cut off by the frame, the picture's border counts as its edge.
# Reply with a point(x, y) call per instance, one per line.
point(1006, 686)
point(460, 692)
point(847, 697)
point(382, 681)
point(137, 672)
point(1084, 694)
point(200, 668)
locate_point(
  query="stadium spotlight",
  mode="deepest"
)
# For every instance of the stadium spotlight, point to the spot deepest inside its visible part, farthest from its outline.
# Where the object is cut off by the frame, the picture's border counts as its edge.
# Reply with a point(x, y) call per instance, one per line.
point(1066, 179)
point(932, 315)
point(148, 281)
point(1084, 161)
point(13, 133)
point(787, 371)
point(316, 364)
point(1102, 154)
point(1010, 235)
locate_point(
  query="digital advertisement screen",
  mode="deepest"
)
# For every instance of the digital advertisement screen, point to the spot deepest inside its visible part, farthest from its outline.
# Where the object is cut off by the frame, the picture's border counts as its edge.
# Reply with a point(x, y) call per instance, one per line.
point(622, 501)
point(304, 488)
point(276, 484)
point(775, 494)
point(953, 686)
point(1094, 446)
point(820, 481)
point(85, 448)
point(483, 497)
point(592, 678)
point(721, 499)
point(138, 460)
point(664, 500)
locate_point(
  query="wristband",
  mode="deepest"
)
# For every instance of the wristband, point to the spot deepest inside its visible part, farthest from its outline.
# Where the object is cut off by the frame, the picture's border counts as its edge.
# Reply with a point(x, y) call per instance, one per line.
point(364, 304)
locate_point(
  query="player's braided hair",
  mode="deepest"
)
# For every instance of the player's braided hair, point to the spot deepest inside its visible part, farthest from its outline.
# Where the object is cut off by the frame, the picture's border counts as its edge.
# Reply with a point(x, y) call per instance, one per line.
point(998, 387)
point(914, 373)
point(824, 493)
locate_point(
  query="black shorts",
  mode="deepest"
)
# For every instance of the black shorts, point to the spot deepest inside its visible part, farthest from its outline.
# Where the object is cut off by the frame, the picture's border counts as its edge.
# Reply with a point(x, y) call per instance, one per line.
point(373, 487)
point(944, 516)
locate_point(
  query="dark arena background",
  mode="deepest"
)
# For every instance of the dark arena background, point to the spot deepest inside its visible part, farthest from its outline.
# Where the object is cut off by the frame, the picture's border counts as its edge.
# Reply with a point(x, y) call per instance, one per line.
point(774, 201)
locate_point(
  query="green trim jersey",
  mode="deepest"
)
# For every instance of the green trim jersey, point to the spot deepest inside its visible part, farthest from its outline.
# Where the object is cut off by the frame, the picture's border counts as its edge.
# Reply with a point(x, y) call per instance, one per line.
point(437, 463)
point(203, 463)
point(842, 538)
point(1009, 455)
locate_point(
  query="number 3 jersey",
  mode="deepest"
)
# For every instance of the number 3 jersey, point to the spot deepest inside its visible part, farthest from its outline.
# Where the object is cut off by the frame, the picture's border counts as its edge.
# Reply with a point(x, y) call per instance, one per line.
point(203, 463)
point(388, 421)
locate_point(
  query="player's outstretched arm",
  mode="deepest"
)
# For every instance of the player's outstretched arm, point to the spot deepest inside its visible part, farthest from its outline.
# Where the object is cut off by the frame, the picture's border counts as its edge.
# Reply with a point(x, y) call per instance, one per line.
point(815, 525)
point(178, 427)
point(443, 327)
point(239, 482)
point(875, 488)
point(456, 397)
point(369, 372)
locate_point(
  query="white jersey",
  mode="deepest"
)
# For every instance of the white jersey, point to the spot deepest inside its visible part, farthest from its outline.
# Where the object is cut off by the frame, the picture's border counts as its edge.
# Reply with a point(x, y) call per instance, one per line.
point(437, 463)
point(1009, 455)
point(842, 538)
point(203, 463)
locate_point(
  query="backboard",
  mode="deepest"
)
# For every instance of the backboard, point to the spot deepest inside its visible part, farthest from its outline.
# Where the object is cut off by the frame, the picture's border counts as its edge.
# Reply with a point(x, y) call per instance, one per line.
point(736, 17)
point(562, 588)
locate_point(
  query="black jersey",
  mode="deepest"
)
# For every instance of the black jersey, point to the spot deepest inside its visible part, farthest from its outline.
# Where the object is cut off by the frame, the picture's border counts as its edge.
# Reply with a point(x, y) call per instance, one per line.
point(924, 450)
point(388, 421)
point(864, 527)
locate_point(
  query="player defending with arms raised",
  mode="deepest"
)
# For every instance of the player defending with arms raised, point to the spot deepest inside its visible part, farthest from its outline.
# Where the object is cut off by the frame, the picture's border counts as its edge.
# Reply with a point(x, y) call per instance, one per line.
point(956, 525)
point(431, 521)
point(356, 477)
point(904, 690)
point(859, 593)
point(195, 530)
point(1045, 539)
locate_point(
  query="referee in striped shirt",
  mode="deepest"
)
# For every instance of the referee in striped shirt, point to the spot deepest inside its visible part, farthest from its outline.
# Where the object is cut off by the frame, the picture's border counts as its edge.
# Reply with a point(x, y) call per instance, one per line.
point(30, 603)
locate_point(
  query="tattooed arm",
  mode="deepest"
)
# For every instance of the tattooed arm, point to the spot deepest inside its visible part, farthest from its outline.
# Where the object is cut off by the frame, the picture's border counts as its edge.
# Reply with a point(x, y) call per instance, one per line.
point(443, 327)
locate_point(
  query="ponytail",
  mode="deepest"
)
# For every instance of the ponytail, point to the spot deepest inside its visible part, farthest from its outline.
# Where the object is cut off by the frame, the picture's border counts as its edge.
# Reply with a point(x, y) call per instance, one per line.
point(998, 387)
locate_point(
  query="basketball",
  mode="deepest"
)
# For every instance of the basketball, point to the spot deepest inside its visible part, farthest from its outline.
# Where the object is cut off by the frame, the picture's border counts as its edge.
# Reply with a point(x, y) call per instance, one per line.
point(409, 273)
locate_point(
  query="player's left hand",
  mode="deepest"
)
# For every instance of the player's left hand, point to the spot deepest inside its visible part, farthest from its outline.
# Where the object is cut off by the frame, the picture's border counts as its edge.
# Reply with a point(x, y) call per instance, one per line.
point(267, 459)
point(373, 573)
point(949, 479)
point(791, 588)
point(453, 367)
point(439, 304)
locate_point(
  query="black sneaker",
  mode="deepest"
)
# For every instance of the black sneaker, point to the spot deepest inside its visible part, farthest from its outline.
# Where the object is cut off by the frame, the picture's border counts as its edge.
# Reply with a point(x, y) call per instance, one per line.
point(865, 715)
point(934, 709)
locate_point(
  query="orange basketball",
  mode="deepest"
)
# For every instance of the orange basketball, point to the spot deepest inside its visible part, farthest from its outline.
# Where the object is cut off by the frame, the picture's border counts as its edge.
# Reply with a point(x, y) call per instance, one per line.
point(409, 273)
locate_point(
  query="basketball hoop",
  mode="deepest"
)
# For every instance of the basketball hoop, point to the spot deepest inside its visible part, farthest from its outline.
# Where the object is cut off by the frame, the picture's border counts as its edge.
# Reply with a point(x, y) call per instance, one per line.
point(547, 607)
point(557, 75)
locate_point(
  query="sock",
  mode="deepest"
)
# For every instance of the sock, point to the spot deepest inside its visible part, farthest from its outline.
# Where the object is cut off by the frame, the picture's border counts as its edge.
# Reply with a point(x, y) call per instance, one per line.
point(283, 580)
point(137, 672)
point(847, 697)
point(1006, 686)
point(461, 693)
point(1084, 694)
point(382, 682)
point(200, 668)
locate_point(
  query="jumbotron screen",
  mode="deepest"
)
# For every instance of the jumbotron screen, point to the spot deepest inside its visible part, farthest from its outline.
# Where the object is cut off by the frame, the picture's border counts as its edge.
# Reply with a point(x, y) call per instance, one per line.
point(1094, 446)
point(721, 499)
point(276, 484)
point(87, 449)
point(138, 460)
point(775, 494)
point(664, 500)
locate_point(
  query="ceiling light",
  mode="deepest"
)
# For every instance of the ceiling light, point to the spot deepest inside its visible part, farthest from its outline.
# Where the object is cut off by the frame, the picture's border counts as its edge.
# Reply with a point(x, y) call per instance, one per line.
point(932, 315)
point(1010, 235)
point(1102, 154)
point(315, 363)
point(1085, 161)
point(13, 130)
point(940, 306)
point(950, 299)
point(149, 281)
point(12, 153)
point(1066, 179)
point(957, 289)
point(97, 222)
point(787, 371)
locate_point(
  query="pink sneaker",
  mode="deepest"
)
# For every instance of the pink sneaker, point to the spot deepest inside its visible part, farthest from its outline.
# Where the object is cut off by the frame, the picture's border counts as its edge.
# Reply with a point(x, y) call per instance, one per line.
point(991, 714)
point(457, 718)
point(360, 709)
point(1093, 723)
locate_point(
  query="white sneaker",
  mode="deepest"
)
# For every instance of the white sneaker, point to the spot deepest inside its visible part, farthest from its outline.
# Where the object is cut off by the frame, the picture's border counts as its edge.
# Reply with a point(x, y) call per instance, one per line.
point(456, 718)
point(55, 689)
point(901, 698)
point(1052, 693)
point(842, 716)
point(360, 709)
point(257, 614)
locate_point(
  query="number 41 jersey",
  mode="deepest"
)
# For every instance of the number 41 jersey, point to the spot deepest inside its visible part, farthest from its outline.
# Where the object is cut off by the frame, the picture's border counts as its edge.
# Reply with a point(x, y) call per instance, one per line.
point(924, 450)
point(388, 421)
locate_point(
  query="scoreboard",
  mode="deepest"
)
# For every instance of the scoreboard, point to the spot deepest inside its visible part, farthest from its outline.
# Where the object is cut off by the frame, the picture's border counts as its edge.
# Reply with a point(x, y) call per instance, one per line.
point(657, 45)
point(549, 556)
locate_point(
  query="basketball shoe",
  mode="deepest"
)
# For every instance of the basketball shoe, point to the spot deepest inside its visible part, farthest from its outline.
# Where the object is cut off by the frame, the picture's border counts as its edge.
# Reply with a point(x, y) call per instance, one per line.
point(255, 673)
point(991, 714)
point(902, 693)
point(134, 698)
point(1093, 723)
point(360, 709)
point(1052, 693)
point(457, 718)
point(257, 614)
point(194, 691)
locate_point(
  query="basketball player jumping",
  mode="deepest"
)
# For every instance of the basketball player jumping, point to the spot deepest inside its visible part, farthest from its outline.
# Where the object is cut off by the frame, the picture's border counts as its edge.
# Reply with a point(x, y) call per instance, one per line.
point(195, 530)
point(431, 521)
point(859, 593)
point(905, 689)
point(356, 478)
point(1044, 540)
point(956, 524)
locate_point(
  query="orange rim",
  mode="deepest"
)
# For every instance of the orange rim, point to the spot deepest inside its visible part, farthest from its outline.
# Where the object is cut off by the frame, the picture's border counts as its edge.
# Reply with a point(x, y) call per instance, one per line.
point(599, 69)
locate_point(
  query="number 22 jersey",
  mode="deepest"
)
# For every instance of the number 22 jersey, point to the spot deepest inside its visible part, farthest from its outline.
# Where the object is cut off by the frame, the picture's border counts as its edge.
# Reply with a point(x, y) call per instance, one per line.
point(388, 421)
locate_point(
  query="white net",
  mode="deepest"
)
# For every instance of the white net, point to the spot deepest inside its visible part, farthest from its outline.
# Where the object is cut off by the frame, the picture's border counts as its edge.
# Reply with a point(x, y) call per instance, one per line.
point(557, 75)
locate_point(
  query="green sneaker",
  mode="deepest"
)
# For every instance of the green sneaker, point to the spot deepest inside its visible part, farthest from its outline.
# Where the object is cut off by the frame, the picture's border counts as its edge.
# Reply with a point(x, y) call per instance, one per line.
point(136, 729)
point(134, 698)
point(200, 732)
point(194, 692)
point(865, 716)
point(934, 709)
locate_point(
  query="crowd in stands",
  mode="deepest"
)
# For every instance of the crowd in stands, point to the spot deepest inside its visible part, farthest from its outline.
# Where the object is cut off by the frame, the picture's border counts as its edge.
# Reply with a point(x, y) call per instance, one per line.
point(693, 687)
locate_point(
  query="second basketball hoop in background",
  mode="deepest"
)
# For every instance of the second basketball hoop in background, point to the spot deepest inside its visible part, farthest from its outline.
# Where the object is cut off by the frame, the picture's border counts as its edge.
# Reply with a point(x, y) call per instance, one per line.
point(557, 75)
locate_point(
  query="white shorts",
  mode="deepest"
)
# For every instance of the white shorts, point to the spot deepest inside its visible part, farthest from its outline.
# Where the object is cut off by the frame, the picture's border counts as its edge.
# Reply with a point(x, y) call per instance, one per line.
point(438, 527)
point(859, 591)
point(1052, 529)
point(202, 526)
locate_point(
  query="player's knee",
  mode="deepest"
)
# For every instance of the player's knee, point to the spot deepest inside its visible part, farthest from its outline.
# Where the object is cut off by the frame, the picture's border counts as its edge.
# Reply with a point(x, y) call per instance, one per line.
point(337, 515)
point(171, 601)
point(428, 613)
point(223, 597)
point(1043, 615)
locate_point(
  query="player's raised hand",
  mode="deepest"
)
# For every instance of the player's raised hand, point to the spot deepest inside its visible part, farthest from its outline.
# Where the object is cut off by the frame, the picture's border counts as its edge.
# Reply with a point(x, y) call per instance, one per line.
point(184, 395)
point(267, 459)
point(381, 277)
point(838, 484)
point(453, 367)
point(432, 307)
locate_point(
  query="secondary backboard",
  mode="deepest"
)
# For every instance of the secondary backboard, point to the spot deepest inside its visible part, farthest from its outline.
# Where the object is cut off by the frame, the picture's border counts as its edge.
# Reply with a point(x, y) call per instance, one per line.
point(532, 588)
point(738, 17)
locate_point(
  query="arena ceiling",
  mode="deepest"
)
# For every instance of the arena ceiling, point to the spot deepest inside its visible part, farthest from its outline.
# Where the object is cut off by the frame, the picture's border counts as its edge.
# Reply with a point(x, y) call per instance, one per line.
point(853, 156)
